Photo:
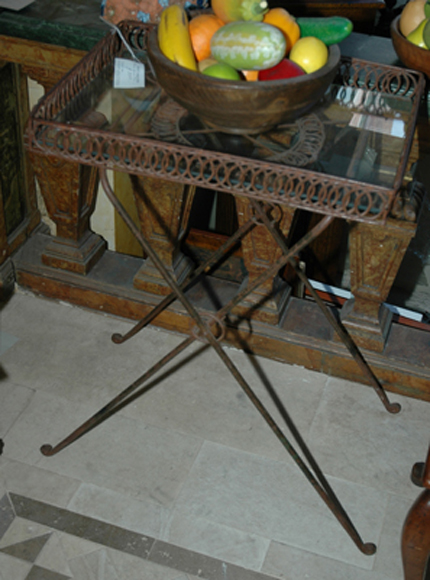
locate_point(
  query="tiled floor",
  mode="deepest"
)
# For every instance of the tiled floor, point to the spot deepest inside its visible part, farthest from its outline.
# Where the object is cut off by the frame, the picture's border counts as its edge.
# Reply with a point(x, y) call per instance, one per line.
point(187, 481)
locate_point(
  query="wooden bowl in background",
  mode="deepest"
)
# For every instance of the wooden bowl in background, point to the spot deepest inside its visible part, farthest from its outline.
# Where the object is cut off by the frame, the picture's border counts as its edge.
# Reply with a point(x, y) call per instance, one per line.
point(241, 106)
point(411, 55)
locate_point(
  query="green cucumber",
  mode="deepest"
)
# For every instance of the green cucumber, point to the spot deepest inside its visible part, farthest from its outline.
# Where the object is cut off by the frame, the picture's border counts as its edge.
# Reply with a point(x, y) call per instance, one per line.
point(329, 29)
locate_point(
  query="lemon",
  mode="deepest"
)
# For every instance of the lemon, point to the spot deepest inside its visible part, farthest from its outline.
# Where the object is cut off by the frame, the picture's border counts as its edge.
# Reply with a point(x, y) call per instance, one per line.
point(310, 53)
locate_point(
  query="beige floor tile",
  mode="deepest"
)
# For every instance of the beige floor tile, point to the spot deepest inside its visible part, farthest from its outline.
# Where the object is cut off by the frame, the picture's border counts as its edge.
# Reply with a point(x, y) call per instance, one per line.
point(53, 556)
point(6, 341)
point(72, 546)
point(288, 563)
point(145, 516)
point(226, 543)
point(37, 483)
point(47, 419)
point(122, 454)
point(203, 399)
point(22, 530)
point(11, 567)
point(107, 564)
point(93, 565)
point(14, 399)
point(273, 500)
point(355, 438)
point(192, 462)
point(68, 351)
point(132, 568)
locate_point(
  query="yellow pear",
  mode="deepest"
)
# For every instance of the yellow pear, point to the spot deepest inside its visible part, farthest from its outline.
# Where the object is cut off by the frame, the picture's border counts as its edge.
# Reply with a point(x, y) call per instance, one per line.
point(417, 35)
point(412, 15)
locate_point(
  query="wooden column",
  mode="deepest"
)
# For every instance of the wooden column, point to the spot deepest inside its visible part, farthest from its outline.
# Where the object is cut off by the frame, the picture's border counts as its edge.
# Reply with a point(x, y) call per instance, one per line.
point(260, 250)
point(375, 257)
point(163, 208)
point(69, 191)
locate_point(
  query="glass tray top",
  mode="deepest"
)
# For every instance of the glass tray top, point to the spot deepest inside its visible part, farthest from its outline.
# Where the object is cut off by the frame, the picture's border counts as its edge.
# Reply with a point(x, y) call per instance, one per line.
point(347, 156)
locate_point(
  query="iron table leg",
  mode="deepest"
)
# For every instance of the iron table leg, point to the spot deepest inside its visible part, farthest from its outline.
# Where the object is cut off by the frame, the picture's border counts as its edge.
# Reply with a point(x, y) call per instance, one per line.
point(205, 333)
point(338, 327)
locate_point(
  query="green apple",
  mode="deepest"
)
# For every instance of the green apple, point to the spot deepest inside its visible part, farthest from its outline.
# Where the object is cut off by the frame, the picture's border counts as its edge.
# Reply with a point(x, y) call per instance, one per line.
point(427, 9)
point(417, 35)
point(222, 71)
point(201, 65)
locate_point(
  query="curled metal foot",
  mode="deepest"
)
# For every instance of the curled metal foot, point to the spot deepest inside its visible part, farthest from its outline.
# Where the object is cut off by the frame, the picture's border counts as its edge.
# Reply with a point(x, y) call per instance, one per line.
point(47, 450)
point(117, 338)
point(368, 549)
point(393, 408)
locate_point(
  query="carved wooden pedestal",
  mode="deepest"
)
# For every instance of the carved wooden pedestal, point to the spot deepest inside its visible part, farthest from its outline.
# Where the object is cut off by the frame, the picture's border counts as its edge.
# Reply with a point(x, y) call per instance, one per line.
point(375, 258)
point(69, 191)
point(163, 210)
point(259, 251)
point(416, 528)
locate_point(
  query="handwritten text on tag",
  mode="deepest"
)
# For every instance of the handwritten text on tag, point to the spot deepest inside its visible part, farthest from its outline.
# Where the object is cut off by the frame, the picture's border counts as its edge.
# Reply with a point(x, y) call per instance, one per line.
point(128, 74)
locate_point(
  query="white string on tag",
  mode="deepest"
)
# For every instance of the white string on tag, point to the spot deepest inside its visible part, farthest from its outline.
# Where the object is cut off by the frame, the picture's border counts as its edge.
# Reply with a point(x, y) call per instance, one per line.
point(128, 74)
point(120, 34)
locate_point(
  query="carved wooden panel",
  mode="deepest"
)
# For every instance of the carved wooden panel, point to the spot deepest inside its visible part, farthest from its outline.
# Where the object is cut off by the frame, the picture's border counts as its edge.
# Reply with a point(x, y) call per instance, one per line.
point(18, 208)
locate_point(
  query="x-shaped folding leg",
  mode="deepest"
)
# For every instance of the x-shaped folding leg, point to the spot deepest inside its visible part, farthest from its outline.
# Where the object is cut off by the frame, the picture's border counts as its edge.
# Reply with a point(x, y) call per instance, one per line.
point(212, 333)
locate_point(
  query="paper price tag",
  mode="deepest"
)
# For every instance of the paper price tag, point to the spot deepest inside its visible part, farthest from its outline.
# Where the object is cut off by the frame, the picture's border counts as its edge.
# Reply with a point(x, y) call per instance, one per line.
point(128, 74)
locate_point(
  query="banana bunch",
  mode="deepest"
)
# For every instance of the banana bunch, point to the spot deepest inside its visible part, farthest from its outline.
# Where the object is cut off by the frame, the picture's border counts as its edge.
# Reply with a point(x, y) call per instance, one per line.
point(174, 37)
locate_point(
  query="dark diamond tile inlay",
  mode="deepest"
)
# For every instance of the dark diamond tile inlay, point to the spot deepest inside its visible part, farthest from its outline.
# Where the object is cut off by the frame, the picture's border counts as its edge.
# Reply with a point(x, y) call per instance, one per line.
point(27, 550)
point(7, 515)
point(111, 536)
point(38, 573)
point(82, 526)
point(200, 565)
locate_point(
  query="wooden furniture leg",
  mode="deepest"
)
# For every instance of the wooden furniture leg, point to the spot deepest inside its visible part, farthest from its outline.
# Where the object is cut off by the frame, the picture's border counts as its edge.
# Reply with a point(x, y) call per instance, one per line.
point(69, 191)
point(416, 528)
point(260, 250)
point(163, 208)
point(375, 258)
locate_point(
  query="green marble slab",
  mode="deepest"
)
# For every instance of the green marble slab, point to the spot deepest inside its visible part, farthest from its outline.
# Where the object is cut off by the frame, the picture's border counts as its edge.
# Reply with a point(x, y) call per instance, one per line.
point(50, 32)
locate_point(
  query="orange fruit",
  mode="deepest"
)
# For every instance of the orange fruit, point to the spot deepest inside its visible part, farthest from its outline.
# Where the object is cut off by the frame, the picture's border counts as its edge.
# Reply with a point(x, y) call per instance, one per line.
point(283, 20)
point(250, 75)
point(202, 28)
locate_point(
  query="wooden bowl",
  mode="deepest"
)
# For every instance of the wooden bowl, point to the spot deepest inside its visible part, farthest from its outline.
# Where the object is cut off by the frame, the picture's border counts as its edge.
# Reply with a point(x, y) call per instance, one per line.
point(411, 55)
point(241, 106)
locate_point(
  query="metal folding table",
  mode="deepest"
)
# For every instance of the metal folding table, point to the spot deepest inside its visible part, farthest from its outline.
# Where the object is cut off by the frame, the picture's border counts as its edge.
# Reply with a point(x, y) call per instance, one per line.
point(346, 159)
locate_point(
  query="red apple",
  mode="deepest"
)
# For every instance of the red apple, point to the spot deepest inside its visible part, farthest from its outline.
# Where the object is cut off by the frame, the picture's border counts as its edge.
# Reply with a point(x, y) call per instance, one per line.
point(286, 69)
